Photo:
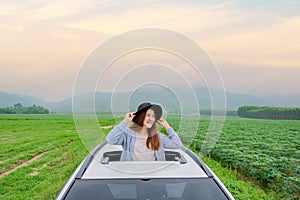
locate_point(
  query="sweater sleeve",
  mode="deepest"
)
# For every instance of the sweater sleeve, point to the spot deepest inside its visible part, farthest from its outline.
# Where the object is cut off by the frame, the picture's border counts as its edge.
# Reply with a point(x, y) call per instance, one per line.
point(172, 141)
point(116, 135)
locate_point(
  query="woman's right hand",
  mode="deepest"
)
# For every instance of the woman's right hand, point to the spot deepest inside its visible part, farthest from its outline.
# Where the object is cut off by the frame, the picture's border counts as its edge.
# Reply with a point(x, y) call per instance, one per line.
point(128, 117)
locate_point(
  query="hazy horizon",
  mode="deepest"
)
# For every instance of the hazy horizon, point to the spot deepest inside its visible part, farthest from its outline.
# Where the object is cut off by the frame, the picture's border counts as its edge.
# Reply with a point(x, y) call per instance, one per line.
point(255, 45)
point(285, 96)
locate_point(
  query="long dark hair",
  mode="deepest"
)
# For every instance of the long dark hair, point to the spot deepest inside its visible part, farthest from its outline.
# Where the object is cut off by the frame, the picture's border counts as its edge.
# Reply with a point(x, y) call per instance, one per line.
point(153, 138)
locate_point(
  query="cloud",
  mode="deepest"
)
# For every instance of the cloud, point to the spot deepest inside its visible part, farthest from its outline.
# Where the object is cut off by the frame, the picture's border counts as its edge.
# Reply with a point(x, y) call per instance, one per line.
point(17, 16)
point(233, 37)
point(277, 45)
point(48, 40)
point(186, 18)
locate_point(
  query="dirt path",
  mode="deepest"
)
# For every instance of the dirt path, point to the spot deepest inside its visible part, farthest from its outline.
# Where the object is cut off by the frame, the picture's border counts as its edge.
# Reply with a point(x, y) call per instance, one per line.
point(107, 127)
point(27, 162)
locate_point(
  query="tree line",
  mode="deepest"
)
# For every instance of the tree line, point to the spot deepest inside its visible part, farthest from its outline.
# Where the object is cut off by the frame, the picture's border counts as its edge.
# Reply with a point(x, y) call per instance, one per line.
point(218, 112)
point(19, 109)
point(265, 112)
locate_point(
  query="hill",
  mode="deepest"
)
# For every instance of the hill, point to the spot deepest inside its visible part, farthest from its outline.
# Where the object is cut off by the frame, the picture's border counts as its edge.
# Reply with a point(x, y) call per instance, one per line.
point(103, 101)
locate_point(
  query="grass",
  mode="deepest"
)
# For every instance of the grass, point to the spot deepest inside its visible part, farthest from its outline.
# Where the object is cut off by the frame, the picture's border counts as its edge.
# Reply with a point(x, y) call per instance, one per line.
point(240, 187)
point(23, 137)
point(265, 150)
point(55, 139)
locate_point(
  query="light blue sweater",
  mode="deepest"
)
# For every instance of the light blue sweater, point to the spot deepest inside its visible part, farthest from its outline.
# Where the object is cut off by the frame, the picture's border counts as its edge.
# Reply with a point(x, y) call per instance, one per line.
point(121, 134)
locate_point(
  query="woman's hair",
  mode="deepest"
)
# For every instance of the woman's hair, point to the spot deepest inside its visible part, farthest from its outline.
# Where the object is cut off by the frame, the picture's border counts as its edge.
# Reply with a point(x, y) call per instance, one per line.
point(153, 138)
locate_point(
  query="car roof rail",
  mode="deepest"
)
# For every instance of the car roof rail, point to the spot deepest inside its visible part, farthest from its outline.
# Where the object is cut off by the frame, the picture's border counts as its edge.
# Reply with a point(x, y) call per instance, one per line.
point(197, 160)
point(89, 159)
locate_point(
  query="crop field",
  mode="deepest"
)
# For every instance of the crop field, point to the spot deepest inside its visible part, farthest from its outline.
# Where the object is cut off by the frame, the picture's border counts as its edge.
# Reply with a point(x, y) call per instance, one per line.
point(266, 150)
point(253, 158)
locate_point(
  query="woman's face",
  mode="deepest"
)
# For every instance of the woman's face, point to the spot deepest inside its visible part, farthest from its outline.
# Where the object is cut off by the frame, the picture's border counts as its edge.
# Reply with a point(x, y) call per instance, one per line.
point(149, 118)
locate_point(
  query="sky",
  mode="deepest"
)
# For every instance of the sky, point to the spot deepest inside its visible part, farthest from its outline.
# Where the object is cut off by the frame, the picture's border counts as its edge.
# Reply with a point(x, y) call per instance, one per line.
point(255, 44)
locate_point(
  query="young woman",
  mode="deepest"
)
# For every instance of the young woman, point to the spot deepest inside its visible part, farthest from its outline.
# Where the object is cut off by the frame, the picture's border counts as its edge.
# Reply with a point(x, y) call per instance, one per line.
point(141, 141)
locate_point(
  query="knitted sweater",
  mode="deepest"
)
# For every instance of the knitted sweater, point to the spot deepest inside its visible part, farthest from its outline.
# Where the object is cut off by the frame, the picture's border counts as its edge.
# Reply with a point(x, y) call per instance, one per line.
point(121, 134)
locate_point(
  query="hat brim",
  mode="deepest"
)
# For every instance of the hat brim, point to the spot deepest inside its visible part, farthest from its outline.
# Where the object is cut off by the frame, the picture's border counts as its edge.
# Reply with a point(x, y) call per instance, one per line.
point(156, 108)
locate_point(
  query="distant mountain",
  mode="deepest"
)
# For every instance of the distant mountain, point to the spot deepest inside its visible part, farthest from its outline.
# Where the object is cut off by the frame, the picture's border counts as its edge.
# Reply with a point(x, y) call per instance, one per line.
point(121, 101)
point(291, 101)
point(9, 99)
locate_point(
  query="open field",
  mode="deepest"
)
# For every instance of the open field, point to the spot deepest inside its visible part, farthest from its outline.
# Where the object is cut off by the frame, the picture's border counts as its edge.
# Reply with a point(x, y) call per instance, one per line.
point(266, 150)
point(40, 152)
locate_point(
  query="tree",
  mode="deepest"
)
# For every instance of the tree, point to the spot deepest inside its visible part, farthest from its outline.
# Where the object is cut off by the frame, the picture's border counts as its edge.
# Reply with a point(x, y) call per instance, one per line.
point(265, 112)
point(19, 109)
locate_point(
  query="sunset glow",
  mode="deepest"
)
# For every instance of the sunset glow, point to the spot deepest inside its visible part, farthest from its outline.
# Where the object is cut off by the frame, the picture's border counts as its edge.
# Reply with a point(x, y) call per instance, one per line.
point(43, 44)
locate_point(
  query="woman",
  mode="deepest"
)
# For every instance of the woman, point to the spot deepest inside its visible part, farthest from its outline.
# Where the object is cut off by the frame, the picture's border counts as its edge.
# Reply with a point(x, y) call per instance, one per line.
point(141, 141)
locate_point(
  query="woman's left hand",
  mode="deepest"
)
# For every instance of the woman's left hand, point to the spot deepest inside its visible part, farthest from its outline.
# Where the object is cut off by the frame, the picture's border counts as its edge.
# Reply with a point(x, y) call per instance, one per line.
point(163, 123)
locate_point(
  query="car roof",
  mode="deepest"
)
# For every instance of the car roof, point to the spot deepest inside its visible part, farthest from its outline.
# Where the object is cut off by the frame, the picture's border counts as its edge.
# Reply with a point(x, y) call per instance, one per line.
point(102, 168)
point(97, 169)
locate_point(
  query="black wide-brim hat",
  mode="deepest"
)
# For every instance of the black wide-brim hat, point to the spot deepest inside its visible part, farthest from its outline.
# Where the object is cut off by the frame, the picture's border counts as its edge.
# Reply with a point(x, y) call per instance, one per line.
point(145, 106)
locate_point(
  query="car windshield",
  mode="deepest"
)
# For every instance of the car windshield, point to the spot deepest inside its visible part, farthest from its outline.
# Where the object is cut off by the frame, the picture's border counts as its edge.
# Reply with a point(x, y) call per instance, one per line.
point(127, 189)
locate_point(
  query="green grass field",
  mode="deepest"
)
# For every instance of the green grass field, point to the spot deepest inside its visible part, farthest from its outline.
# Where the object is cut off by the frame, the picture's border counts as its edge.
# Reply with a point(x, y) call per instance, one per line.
point(40, 152)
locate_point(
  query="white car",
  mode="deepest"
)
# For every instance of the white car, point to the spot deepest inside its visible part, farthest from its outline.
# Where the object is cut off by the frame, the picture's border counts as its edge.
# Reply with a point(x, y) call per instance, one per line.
point(182, 176)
